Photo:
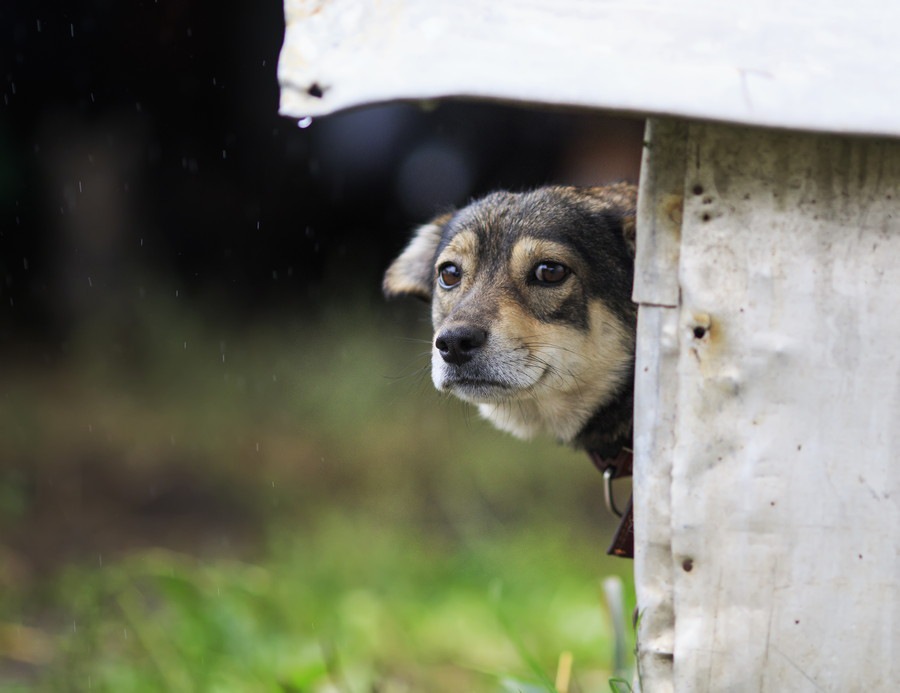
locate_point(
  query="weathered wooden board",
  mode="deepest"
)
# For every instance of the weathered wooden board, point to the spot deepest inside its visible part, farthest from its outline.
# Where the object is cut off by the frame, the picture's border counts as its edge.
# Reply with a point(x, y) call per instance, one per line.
point(781, 419)
point(657, 291)
point(829, 66)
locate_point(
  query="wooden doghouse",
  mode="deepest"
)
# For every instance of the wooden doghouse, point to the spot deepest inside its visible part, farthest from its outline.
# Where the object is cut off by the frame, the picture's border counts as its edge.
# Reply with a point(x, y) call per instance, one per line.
point(767, 430)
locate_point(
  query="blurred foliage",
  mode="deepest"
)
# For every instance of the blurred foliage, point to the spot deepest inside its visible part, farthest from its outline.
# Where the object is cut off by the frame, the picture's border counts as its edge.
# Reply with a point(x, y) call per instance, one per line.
point(284, 504)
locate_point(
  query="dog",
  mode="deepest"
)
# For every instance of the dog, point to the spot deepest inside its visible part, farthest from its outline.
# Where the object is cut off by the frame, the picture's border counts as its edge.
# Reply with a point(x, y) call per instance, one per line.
point(531, 305)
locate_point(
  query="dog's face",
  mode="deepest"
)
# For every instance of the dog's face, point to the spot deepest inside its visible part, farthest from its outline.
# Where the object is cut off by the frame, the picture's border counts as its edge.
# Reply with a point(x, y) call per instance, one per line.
point(530, 297)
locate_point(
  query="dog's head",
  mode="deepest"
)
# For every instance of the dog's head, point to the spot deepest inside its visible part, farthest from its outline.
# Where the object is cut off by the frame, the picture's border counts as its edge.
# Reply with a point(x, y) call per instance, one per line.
point(531, 304)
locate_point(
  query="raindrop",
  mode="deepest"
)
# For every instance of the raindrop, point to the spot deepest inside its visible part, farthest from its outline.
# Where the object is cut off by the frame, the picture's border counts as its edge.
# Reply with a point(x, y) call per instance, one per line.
point(274, 378)
point(224, 154)
point(93, 100)
point(80, 187)
point(223, 358)
point(39, 25)
point(257, 446)
point(72, 30)
point(11, 302)
point(90, 283)
point(214, 81)
point(264, 63)
point(12, 86)
point(142, 243)
point(275, 275)
point(176, 293)
point(304, 123)
point(100, 559)
point(25, 262)
point(90, 428)
point(257, 225)
point(185, 346)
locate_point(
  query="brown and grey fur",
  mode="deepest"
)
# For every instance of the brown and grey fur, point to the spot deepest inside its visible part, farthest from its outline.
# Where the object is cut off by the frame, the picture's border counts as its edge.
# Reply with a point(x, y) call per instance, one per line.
point(535, 357)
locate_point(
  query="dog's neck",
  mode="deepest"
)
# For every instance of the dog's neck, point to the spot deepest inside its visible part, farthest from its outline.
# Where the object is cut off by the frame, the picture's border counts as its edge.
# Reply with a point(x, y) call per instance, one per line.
point(605, 428)
point(610, 427)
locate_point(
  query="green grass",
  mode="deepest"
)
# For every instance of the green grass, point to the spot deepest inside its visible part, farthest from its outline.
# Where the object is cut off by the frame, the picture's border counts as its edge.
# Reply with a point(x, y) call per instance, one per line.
point(347, 605)
point(302, 515)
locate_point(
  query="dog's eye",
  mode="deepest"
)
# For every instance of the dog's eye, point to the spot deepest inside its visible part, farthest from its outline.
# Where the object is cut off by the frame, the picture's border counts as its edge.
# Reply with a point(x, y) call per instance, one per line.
point(550, 272)
point(449, 275)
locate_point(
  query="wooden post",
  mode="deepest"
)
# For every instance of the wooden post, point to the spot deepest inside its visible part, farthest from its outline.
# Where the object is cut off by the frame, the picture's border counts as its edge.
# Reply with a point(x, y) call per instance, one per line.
point(768, 412)
point(657, 291)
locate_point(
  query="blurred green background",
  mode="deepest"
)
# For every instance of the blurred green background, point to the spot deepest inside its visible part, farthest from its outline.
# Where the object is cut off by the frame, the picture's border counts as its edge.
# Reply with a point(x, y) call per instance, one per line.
point(286, 506)
point(223, 466)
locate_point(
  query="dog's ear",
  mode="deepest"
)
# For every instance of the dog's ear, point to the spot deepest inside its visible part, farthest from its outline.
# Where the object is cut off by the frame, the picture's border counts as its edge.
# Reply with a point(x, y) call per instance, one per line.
point(620, 199)
point(629, 229)
point(412, 274)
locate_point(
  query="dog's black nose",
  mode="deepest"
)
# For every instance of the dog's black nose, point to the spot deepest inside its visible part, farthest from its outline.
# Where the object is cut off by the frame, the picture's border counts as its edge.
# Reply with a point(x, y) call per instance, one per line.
point(457, 345)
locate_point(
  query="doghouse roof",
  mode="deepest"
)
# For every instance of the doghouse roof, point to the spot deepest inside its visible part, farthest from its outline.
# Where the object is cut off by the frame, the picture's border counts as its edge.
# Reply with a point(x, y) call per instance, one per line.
point(830, 66)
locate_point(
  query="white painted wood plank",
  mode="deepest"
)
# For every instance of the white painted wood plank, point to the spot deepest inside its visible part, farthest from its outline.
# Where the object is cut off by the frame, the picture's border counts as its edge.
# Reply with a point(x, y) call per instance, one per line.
point(656, 379)
point(785, 478)
point(828, 66)
point(660, 209)
point(655, 423)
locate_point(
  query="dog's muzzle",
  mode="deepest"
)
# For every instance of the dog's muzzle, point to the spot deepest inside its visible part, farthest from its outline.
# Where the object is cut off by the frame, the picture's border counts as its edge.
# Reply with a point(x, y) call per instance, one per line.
point(467, 361)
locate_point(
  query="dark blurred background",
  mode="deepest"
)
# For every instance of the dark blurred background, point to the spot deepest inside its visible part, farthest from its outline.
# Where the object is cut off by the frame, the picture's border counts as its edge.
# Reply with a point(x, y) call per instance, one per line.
point(143, 138)
point(191, 327)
